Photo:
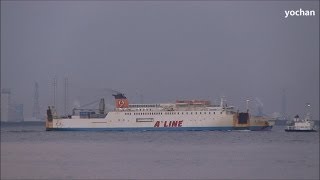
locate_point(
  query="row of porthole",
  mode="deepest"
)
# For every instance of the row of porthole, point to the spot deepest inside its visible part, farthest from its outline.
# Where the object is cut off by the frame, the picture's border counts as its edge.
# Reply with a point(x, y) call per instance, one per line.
point(170, 113)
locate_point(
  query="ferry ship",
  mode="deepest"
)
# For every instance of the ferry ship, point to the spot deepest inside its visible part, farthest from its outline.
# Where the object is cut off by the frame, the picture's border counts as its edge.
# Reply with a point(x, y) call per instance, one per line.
point(194, 115)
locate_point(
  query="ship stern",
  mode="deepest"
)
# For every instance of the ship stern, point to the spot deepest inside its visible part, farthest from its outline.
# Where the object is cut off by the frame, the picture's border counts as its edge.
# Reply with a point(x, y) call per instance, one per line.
point(49, 125)
point(260, 123)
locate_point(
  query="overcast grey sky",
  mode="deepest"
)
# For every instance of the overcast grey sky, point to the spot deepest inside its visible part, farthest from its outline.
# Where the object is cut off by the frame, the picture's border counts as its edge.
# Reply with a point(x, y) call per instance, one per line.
point(163, 50)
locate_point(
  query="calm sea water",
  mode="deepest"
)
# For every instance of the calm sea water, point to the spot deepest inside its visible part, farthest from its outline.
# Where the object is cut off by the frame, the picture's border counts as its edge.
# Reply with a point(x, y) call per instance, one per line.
point(29, 152)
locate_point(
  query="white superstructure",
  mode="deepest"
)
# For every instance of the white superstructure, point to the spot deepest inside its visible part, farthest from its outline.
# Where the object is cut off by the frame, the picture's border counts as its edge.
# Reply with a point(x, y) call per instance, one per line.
point(182, 115)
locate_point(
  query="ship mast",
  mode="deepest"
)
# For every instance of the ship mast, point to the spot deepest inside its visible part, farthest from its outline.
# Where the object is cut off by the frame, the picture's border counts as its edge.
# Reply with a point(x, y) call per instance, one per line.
point(308, 111)
point(222, 101)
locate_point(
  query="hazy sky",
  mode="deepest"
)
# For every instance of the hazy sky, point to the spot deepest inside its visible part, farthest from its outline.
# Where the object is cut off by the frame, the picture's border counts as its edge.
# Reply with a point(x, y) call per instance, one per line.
point(162, 50)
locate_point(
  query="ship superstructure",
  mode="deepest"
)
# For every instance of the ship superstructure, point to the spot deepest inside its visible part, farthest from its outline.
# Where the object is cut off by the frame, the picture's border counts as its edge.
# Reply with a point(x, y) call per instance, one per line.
point(181, 115)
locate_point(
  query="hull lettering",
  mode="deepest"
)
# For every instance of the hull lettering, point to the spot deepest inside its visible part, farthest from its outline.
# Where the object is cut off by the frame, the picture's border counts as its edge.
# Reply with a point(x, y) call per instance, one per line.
point(168, 124)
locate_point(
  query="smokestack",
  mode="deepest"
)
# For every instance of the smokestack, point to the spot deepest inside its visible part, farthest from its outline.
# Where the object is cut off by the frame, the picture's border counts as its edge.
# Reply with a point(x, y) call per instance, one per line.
point(120, 100)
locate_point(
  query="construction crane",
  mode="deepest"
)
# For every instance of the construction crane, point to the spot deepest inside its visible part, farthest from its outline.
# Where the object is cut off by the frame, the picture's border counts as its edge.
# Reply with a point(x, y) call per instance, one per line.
point(259, 106)
point(36, 107)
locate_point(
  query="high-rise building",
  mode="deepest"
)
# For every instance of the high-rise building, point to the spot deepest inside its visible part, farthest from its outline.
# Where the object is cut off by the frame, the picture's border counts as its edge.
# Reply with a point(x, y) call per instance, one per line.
point(10, 112)
point(17, 113)
point(5, 104)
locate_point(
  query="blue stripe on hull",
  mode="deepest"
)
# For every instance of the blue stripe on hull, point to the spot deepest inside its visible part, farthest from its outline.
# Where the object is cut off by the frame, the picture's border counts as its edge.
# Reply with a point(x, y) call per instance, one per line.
point(230, 128)
point(300, 130)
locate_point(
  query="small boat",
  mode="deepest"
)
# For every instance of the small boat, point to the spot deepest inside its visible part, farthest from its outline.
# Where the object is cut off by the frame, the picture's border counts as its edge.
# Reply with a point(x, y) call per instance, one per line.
point(301, 125)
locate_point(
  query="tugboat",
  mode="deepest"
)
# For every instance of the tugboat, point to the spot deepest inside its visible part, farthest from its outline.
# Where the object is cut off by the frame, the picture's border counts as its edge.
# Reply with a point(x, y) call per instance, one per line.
point(301, 125)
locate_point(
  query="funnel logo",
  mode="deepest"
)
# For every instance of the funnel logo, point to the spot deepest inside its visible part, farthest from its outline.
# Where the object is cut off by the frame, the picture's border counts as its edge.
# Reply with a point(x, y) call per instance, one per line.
point(121, 103)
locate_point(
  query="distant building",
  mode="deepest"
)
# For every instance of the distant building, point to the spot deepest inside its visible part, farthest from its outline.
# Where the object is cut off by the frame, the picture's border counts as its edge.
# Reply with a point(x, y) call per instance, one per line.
point(276, 115)
point(5, 104)
point(10, 112)
point(17, 113)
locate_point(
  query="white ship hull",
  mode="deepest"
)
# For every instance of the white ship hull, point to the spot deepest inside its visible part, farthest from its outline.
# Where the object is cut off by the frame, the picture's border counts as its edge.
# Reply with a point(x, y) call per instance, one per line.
point(118, 121)
point(304, 126)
